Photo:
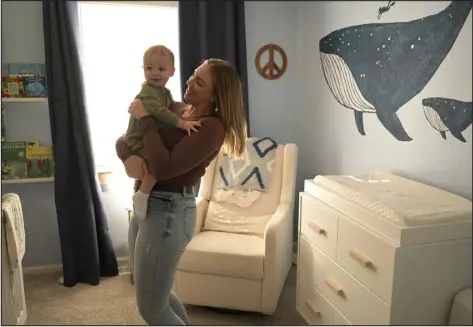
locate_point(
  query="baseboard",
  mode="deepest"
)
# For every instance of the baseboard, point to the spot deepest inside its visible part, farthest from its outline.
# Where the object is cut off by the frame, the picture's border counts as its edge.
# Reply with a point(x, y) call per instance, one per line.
point(122, 268)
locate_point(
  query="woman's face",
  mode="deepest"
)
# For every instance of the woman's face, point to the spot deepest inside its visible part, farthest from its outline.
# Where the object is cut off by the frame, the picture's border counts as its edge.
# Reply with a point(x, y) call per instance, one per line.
point(200, 86)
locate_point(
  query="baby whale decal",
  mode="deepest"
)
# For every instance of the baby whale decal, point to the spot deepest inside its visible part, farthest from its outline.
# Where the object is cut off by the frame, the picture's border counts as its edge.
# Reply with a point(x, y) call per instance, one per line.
point(448, 115)
point(377, 68)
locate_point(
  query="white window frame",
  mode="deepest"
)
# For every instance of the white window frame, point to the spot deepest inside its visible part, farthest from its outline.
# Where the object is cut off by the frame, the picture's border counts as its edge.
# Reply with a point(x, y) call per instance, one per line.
point(137, 3)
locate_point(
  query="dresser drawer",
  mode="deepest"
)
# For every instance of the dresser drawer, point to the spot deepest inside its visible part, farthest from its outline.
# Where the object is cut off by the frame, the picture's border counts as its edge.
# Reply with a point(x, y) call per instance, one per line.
point(356, 302)
point(367, 257)
point(339, 319)
point(319, 224)
point(312, 305)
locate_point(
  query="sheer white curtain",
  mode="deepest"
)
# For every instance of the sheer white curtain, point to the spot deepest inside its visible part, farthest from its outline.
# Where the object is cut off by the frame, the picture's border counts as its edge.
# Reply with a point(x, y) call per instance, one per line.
point(114, 38)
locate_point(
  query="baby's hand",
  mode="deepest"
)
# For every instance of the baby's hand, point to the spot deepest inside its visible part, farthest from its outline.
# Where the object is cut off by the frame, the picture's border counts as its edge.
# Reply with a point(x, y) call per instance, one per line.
point(188, 126)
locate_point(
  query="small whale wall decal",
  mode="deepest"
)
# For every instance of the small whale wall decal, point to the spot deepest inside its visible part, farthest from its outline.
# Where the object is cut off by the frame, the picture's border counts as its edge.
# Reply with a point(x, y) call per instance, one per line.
point(377, 68)
point(448, 115)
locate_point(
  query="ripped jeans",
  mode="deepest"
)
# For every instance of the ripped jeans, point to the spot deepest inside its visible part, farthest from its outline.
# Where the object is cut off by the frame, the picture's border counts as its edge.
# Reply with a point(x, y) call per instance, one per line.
point(155, 246)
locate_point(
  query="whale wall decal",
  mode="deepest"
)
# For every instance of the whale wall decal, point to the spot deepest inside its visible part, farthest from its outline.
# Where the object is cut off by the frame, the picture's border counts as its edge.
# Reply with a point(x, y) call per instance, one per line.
point(448, 115)
point(377, 68)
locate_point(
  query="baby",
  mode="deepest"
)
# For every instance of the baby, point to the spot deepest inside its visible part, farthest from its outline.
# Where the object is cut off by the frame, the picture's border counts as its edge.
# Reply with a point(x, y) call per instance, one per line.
point(158, 65)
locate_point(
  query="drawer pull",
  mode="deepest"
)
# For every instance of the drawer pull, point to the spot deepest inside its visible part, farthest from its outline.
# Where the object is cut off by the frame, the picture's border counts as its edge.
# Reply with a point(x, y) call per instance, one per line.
point(312, 309)
point(316, 228)
point(334, 287)
point(358, 257)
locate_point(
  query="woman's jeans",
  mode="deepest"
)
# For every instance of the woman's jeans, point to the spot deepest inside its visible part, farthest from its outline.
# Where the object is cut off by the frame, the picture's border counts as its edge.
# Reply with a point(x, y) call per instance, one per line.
point(155, 246)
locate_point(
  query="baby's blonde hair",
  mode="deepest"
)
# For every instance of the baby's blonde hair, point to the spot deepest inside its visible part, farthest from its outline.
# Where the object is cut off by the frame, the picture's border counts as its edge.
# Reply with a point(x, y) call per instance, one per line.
point(161, 49)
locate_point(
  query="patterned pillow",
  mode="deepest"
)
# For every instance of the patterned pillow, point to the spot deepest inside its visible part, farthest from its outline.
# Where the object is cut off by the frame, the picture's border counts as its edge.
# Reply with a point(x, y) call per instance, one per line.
point(254, 171)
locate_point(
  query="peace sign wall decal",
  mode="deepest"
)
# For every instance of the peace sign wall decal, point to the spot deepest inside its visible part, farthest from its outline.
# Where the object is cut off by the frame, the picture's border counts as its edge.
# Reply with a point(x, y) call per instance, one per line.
point(271, 69)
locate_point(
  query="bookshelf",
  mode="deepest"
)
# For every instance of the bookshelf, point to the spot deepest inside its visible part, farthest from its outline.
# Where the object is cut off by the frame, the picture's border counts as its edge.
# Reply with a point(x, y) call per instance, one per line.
point(10, 100)
point(28, 119)
point(28, 180)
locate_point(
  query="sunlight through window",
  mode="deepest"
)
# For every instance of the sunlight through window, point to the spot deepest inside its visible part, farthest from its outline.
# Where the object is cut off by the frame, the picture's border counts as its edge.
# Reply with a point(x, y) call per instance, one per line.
point(114, 39)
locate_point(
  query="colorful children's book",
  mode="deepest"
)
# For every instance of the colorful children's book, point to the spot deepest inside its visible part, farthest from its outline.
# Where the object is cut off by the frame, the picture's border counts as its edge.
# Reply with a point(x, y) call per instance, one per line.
point(24, 80)
point(14, 160)
point(35, 86)
point(39, 161)
point(12, 87)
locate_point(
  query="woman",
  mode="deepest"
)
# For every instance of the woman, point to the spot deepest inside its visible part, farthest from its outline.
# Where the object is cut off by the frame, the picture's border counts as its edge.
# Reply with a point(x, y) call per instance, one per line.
point(178, 161)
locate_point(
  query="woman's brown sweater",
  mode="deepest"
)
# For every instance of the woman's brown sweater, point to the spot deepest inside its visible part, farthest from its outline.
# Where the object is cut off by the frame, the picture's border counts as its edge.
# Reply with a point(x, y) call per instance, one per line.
point(175, 158)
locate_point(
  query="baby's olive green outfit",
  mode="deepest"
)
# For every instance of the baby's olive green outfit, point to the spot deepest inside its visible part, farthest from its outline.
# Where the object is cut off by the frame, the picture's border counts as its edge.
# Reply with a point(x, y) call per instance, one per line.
point(157, 101)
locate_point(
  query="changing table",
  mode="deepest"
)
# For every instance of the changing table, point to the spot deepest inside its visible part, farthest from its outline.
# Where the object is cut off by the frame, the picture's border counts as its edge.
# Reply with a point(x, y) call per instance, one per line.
point(380, 249)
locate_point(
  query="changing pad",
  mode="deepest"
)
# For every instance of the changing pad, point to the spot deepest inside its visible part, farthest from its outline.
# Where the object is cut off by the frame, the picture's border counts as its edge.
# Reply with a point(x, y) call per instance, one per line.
point(401, 201)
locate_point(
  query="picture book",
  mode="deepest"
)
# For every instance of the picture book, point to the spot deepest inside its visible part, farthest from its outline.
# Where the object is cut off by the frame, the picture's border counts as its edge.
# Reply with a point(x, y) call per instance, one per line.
point(24, 80)
point(12, 87)
point(39, 161)
point(14, 160)
point(35, 86)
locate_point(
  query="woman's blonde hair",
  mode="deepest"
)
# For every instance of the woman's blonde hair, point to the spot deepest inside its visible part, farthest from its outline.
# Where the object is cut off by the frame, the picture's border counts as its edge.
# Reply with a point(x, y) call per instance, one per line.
point(230, 106)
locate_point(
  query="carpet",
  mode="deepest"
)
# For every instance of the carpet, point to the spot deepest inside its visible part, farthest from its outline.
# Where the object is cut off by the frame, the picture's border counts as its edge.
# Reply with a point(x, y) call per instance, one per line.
point(113, 303)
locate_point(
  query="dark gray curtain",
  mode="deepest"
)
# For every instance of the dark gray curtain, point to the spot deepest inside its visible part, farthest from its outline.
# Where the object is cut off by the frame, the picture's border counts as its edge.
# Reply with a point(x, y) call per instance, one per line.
point(213, 29)
point(87, 250)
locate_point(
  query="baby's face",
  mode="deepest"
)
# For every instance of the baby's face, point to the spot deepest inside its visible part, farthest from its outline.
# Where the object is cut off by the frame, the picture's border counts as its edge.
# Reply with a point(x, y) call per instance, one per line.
point(158, 69)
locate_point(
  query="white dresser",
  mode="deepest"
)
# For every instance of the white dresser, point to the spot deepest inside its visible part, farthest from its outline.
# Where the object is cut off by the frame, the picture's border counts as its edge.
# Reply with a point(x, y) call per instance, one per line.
point(378, 249)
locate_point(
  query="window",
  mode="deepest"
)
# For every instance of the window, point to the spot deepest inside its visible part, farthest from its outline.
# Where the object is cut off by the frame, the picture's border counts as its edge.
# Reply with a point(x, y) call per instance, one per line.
point(114, 39)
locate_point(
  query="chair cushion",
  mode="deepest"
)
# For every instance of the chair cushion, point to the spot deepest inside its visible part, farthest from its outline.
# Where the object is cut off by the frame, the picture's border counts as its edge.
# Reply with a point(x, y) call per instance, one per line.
point(222, 219)
point(225, 254)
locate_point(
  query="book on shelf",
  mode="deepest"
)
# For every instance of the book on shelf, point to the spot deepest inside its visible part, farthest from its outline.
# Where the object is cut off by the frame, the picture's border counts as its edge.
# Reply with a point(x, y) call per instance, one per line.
point(26, 159)
point(20, 80)
point(39, 161)
point(14, 160)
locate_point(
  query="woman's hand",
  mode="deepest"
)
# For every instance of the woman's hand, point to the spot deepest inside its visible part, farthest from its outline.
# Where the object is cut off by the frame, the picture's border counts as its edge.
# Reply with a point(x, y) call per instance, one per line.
point(135, 167)
point(137, 109)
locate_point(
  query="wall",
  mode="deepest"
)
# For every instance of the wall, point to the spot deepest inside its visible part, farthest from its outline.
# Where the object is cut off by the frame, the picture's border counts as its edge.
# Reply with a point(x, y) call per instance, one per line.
point(333, 144)
point(275, 106)
point(300, 108)
point(25, 43)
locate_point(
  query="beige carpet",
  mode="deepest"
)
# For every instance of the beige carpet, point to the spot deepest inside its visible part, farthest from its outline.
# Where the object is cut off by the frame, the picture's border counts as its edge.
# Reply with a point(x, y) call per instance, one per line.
point(113, 303)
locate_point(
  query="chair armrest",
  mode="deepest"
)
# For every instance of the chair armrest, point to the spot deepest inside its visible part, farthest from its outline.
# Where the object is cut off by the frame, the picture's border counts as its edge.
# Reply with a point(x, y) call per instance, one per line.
point(202, 206)
point(278, 255)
